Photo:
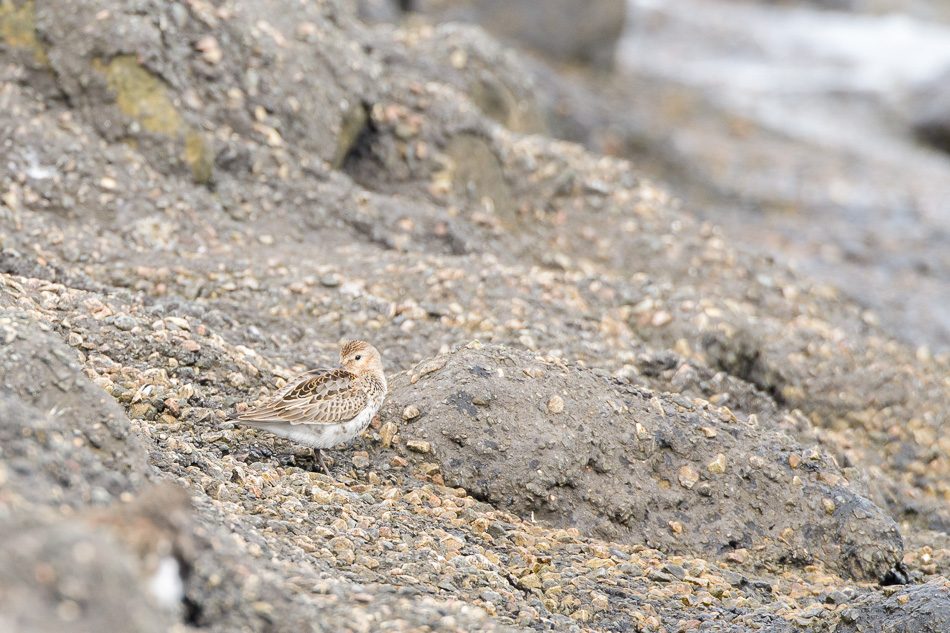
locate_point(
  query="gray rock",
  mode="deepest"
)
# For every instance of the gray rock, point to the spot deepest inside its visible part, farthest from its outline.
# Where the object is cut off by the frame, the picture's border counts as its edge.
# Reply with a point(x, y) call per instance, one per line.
point(72, 576)
point(931, 113)
point(561, 30)
point(910, 610)
point(63, 430)
point(620, 462)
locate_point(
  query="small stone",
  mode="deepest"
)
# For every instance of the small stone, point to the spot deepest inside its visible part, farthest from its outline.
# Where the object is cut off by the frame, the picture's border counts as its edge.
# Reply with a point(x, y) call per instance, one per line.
point(458, 58)
point(454, 542)
point(237, 379)
point(837, 597)
point(428, 468)
point(306, 30)
point(529, 582)
point(264, 609)
point(419, 446)
point(660, 576)
point(220, 492)
point(693, 580)
point(581, 615)
point(74, 339)
point(619, 554)
point(710, 432)
point(688, 476)
point(661, 318)
point(360, 459)
point(600, 602)
point(597, 563)
point(738, 556)
point(142, 410)
point(398, 462)
point(677, 571)
point(794, 460)
point(410, 413)
point(386, 434)
point(125, 322)
point(210, 51)
point(676, 527)
point(717, 465)
point(330, 281)
point(190, 346)
point(556, 404)
point(178, 322)
point(829, 505)
point(496, 530)
point(432, 366)
point(318, 495)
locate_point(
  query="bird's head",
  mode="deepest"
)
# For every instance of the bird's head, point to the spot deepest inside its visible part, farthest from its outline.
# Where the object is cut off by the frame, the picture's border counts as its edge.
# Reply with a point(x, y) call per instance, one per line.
point(360, 357)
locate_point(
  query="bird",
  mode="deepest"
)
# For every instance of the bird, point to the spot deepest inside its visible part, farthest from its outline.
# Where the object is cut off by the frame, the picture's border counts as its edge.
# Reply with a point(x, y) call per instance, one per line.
point(324, 407)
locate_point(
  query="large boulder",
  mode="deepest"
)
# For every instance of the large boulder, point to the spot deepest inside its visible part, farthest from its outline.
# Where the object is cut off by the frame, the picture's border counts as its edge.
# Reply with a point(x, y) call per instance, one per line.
point(561, 30)
point(65, 440)
point(911, 609)
point(571, 446)
point(931, 113)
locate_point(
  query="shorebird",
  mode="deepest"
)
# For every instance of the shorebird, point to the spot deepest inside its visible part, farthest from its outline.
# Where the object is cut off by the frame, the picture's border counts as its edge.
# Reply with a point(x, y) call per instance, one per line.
point(323, 407)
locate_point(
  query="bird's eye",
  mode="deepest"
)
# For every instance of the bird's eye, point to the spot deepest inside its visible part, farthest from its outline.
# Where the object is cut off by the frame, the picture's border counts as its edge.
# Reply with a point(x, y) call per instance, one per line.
point(357, 357)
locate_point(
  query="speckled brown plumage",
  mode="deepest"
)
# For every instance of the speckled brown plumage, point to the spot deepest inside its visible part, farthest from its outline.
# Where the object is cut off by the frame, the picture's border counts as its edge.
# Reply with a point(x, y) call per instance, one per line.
point(324, 407)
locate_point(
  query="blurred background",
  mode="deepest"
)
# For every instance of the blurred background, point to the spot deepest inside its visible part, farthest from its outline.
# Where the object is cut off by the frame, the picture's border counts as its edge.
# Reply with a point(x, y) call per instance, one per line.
point(815, 131)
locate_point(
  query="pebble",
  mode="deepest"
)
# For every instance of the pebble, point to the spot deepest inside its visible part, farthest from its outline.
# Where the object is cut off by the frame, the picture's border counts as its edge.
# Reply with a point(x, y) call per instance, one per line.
point(419, 446)
point(386, 434)
point(125, 322)
point(688, 476)
point(717, 465)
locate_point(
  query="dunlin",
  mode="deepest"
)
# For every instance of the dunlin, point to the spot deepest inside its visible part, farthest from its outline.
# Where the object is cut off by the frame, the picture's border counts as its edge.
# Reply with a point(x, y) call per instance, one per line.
point(323, 407)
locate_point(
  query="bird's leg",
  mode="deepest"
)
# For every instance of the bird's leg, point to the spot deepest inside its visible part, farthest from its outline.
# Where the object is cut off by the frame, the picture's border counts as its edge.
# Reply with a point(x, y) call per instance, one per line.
point(319, 455)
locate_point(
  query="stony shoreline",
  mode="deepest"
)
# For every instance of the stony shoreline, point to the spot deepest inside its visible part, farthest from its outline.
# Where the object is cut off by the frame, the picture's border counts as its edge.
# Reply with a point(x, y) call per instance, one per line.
point(739, 448)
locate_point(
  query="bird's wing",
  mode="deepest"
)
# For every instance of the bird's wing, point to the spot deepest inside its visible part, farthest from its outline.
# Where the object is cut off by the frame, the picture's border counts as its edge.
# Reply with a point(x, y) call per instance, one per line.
point(319, 397)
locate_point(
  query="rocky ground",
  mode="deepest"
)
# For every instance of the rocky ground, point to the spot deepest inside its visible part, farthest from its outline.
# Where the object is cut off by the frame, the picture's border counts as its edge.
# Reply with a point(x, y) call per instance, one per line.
point(604, 415)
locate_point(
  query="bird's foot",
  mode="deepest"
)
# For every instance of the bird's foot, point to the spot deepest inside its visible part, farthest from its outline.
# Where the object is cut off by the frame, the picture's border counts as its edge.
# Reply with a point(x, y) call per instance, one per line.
point(319, 455)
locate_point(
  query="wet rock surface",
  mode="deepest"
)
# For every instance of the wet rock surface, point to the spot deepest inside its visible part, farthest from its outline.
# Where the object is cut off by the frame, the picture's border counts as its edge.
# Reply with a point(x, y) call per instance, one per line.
point(150, 285)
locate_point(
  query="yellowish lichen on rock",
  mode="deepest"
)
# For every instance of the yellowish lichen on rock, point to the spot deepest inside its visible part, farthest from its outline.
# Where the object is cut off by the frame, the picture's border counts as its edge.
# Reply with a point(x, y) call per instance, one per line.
point(354, 120)
point(18, 29)
point(145, 98)
point(199, 155)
